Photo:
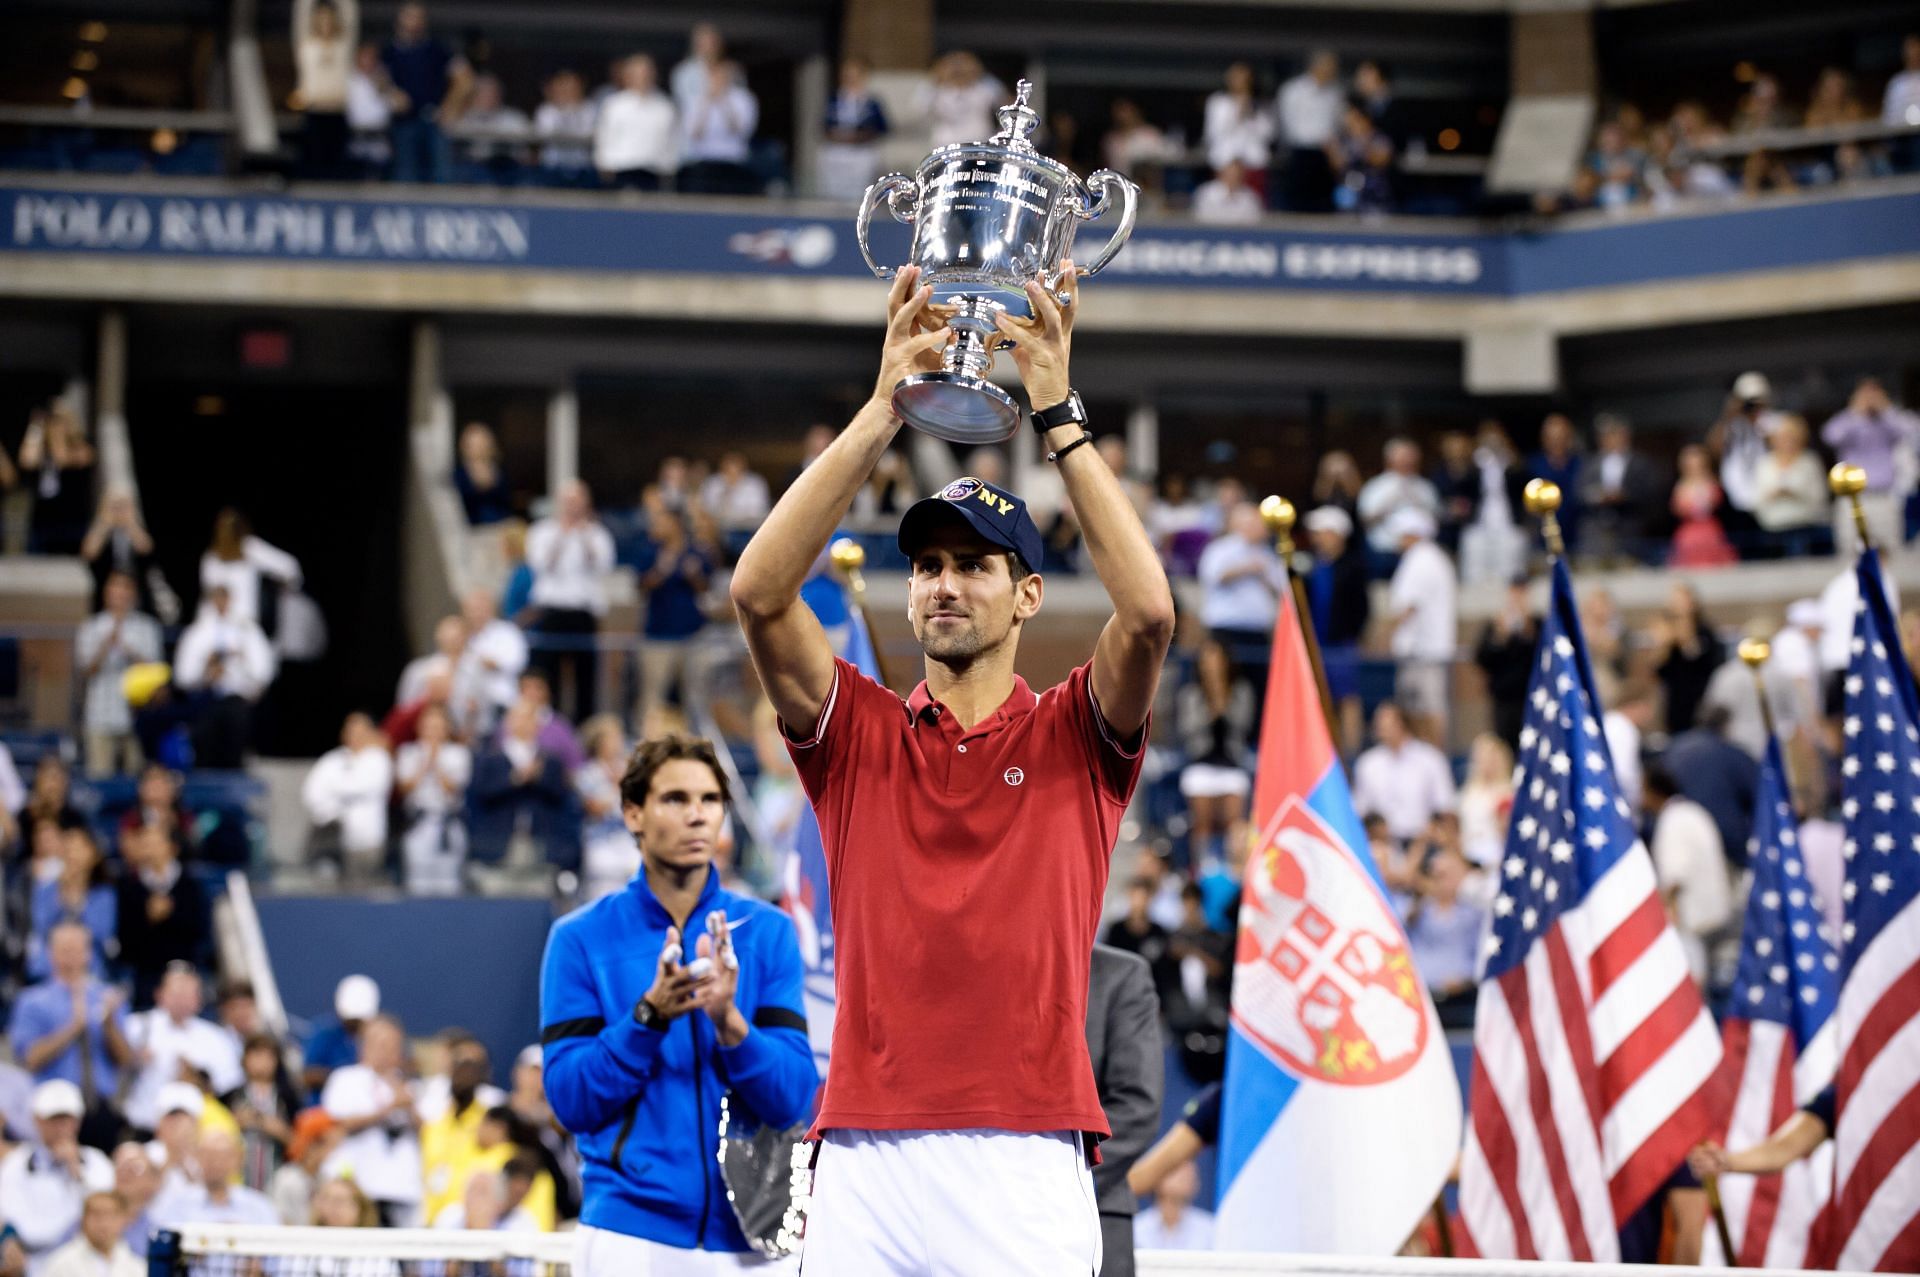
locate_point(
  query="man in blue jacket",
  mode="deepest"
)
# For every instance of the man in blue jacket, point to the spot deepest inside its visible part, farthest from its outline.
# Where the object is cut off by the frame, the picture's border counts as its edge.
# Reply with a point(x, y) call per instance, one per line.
point(641, 1047)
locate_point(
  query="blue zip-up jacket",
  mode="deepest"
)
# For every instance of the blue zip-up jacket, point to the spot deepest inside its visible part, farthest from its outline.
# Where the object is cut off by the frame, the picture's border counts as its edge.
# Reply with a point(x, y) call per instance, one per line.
point(644, 1104)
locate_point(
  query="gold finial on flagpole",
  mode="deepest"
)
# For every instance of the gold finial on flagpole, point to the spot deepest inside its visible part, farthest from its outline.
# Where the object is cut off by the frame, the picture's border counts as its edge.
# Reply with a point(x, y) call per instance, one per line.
point(1543, 502)
point(1755, 651)
point(1848, 481)
point(1279, 515)
point(850, 557)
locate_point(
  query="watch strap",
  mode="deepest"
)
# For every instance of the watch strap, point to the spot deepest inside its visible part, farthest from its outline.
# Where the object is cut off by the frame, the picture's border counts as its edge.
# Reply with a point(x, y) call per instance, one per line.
point(1068, 412)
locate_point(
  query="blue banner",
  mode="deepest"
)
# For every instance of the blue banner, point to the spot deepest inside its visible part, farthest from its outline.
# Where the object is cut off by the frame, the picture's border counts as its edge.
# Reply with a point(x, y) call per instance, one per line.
point(509, 232)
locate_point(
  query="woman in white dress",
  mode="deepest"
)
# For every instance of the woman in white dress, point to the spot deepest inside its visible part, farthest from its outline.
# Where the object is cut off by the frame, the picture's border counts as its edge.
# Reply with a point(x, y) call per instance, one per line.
point(238, 560)
point(430, 778)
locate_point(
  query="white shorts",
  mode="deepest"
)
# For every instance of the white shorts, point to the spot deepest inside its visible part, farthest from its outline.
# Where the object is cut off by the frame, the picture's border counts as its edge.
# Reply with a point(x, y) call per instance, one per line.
point(975, 1203)
point(600, 1253)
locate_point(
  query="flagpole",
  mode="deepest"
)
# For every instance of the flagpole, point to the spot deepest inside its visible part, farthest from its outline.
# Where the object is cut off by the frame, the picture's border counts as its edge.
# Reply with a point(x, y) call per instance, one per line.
point(1279, 515)
point(1848, 481)
point(850, 557)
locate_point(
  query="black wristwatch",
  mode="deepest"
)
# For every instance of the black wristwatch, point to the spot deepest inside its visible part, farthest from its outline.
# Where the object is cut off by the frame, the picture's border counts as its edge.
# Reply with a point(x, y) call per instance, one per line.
point(648, 1016)
point(1069, 412)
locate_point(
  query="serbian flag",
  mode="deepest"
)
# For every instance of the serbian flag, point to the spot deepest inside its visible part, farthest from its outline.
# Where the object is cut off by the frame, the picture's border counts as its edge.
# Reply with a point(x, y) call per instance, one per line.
point(1340, 1114)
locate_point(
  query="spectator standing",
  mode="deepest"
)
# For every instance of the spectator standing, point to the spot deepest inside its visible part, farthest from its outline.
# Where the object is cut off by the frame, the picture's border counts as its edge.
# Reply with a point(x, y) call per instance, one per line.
point(219, 1197)
point(1689, 861)
point(1421, 610)
point(674, 572)
point(1444, 935)
point(450, 1149)
point(163, 910)
point(1336, 482)
point(101, 1249)
point(1619, 496)
point(487, 678)
point(157, 802)
point(1138, 931)
point(1883, 440)
point(634, 136)
point(1700, 508)
point(1215, 715)
point(1712, 771)
point(1134, 147)
point(691, 74)
point(324, 36)
point(1239, 129)
point(1311, 105)
point(1791, 498)
point(58, 462)
point(356, 1000)
point(430, 780)
point(371, 102)
point(240, 561)
point(1626, 726)
point(429, 79)
point(1901, 105)
point(449, 645)
point(264, 1105)
point(480, 478)
point(1739, 440)
point(1338, 600)
point(500, 154)
point(608, 856)
point(959, 100)
point(315, 1136)
point(564, 123)
point(1241, 578)
point(113, 640)
point(1456, 481)
point(736, 494)
point(571, 553)
point(1173, 1222)
point(1558, 462)
point(1486, 800)
point(716, 136)
point(346, 796)
point(1228, 199)
point(80, 894)
point(522, 788)
point(71, 1026)
point(1362, 159)
point(1492, 546)
point(1402, 777)
point(119, 541)
point(173, 1042)
point(44, 1183)
point(372, 1102)
point(1373, 94)
point(856, 122)
point(1399, 486)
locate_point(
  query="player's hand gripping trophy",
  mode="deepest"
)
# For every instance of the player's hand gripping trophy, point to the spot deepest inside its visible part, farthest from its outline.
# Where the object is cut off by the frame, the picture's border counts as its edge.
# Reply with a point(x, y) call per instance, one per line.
point(987, 217)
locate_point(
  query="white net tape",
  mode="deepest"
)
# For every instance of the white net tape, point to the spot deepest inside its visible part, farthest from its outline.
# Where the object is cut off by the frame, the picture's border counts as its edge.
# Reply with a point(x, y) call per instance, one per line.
point(246, 1250)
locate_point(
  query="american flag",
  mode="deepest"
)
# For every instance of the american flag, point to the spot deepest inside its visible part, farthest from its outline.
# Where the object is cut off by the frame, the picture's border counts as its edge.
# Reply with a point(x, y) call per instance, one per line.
point(1780, 1038)
point(1594, 1058)
point(1876, 1201)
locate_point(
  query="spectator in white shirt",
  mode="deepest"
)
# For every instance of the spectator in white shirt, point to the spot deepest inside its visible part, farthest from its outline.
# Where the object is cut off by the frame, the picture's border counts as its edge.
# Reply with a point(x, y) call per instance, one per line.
point(571, 554)
point(564, 123)
point(370, 102)
point(174, 1150)
point(734, 494)
point(716, 134)
point(487, 678)
point(1239, 129)
point(1792, 499)
point(690, 74)
point(1691, 865)
point(1172, 1223)
point(856, 121)
point(1626, 726)
point(449, 644)
point(634, 140)
point(101, 1249)
point(1902, 104)
point(373, 1104)
point(1400, 486)
point(1241, 578)
point(1227, 198)
point(1421, 608)
point(238, 560)
point(173, 1041)
point(137, 1180)
point(1311, 105)
point(227, 660)
point(430, 780)
point(112, 640)
point(219, 1198)
point(1739, 440)
point(44, 1183)
point(323, 38)
point(346, 797)
point(960, 99)
point(1402, 778)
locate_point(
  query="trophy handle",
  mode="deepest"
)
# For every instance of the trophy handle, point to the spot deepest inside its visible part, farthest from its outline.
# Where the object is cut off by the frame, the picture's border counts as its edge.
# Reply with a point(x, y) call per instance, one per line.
point(890, 188)
point(1101, 186)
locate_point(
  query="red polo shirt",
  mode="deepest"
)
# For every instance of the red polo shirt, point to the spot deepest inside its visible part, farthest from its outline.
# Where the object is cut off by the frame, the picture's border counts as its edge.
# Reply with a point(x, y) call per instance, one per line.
point(967, 869)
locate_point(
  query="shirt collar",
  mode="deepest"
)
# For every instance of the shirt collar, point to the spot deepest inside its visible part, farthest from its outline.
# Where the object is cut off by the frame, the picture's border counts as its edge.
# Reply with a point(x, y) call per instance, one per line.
point(1019, 701)
point(656, 913)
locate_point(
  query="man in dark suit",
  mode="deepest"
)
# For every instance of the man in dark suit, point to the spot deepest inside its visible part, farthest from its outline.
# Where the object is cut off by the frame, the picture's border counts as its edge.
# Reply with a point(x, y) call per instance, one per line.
point(1622, 493)
point(1123, 1037)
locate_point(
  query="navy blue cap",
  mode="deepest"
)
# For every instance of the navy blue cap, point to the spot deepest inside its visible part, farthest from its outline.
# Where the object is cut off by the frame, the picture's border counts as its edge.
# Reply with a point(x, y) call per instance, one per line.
point(993, 512)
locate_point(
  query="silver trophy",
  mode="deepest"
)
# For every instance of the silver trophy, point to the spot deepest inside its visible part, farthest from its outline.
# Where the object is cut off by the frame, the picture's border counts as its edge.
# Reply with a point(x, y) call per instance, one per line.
point(987, 217)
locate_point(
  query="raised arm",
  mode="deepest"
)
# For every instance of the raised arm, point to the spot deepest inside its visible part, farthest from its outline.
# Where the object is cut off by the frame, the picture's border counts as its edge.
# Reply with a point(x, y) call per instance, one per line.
point(1132, 647)
point(790, 650)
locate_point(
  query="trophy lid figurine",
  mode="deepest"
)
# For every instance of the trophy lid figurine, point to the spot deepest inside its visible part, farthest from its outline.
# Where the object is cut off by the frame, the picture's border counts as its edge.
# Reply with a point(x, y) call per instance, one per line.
point(987, 217)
